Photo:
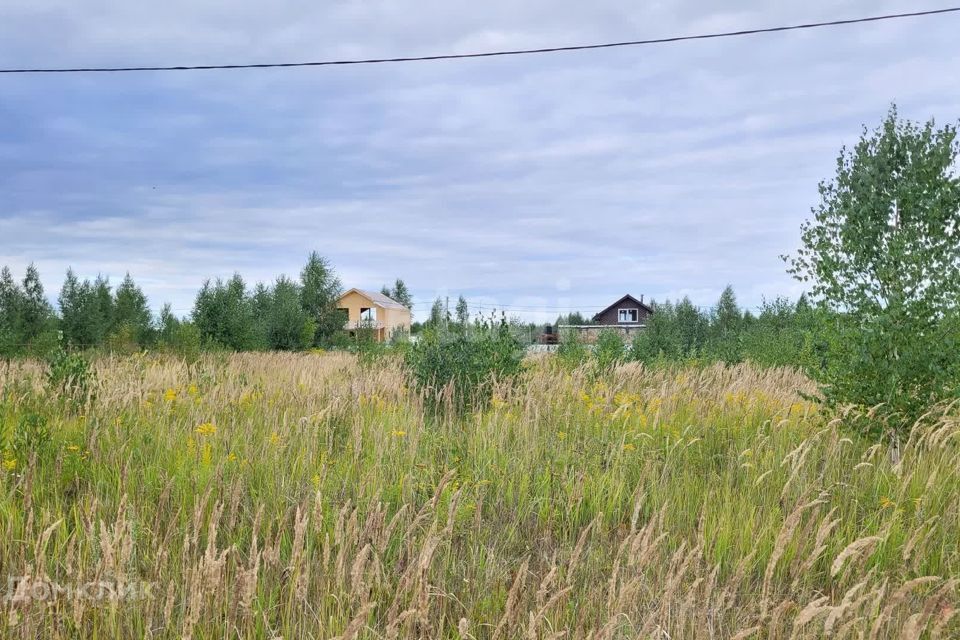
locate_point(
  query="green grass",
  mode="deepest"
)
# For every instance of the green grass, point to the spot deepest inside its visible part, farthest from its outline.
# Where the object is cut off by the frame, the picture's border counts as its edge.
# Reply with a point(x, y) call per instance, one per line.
point(306, 496)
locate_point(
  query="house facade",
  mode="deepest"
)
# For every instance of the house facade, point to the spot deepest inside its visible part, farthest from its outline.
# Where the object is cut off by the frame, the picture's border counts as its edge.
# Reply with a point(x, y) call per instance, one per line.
point(382, 315)
point(624, 312)
point(626, 316)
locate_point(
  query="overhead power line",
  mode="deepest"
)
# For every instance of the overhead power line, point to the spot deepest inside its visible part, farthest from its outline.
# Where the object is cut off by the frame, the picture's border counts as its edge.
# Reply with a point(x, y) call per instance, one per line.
point(490, 54)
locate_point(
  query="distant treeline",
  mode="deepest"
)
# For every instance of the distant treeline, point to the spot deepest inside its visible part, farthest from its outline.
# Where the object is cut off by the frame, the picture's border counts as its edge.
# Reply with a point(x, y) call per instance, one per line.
point(300, 314)
point(286, 315)
point(782, 333)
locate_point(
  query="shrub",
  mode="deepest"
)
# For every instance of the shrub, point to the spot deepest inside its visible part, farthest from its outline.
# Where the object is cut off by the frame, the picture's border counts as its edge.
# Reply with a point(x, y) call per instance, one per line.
point(69, 375)
point(183, 340)
point(609, 350)
point(572, 352)
point(464, 365)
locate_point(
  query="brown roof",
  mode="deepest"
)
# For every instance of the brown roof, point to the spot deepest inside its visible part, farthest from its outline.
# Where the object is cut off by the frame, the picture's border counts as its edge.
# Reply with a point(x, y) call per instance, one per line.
point(621, 301)
point(378, 298)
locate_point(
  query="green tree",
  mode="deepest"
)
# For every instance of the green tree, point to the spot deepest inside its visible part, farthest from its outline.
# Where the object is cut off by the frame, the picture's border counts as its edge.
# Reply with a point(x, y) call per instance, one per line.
point(437, 315)
point(12, 340)
point(882, 251)
point(86, 310)
point(692, 327)
point(35, 313)
point(727, 317)
point(131, 312)
point(223, 314)
point(103, 308)
point(462, 312)
point(402, 294)
point(167, 324)
point(726, 325)
point(261, 304)
point(573, 318)
point(661, 337)
point(319, 292)
point(72, 300)
point(289, 327)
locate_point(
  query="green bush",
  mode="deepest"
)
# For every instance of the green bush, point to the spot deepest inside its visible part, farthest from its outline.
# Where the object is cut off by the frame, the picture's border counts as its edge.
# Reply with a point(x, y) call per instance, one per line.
point(183, 339)
point(609, 350)
point(464, 364)
point(572, 352)
point(69, 376)
point(364, 343)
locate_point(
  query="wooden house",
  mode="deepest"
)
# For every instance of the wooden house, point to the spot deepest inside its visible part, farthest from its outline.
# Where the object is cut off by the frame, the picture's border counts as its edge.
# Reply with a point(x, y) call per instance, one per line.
point(375, 312)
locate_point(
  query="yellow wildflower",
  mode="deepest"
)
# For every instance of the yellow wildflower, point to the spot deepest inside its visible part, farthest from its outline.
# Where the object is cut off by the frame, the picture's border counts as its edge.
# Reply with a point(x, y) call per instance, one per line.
point(9, 464)
point(629, 446)
point(398, 433)
point(561, 435)
point(191, 445)
point(206, 429)
point(231, 457)
point(193, 390)
point(315, 480)
point(886, 502)
point(72, 447)
point(170, 395)
point(207, 454)
point(274, 438)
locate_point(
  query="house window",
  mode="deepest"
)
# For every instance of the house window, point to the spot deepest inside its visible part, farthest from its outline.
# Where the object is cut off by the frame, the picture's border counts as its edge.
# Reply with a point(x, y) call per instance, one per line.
point(368, 314)
point(628, 316)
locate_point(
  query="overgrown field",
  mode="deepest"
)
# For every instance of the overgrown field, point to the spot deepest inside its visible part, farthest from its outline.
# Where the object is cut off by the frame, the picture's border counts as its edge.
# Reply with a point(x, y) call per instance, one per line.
point(311, 496)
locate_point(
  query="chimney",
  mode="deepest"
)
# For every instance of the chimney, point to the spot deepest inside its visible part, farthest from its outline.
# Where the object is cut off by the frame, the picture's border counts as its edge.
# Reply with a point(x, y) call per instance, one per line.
point(641, 297)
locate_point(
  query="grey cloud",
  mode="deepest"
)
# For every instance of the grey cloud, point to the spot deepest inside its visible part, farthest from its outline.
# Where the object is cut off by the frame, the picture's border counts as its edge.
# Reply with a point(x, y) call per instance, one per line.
point(669, 171)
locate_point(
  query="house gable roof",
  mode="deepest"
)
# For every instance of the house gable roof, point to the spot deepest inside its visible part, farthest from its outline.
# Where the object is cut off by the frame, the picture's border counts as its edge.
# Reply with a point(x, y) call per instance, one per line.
point(619, 302)
point(377, 298)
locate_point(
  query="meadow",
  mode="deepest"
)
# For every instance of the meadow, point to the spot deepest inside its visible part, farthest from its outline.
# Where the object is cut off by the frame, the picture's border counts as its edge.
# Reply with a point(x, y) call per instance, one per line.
point(309, 495)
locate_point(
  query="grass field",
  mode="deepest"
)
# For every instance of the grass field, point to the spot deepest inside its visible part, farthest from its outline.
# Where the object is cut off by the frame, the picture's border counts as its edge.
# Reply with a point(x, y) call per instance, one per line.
point(307, 496)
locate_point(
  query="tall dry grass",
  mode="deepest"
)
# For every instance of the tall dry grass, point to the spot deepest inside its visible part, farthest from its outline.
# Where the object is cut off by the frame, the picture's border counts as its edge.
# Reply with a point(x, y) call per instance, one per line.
point(305, 496)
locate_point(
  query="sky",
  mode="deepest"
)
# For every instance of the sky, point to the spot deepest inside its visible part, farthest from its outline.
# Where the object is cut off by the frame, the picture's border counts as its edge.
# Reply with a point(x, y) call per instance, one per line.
point(535, 184)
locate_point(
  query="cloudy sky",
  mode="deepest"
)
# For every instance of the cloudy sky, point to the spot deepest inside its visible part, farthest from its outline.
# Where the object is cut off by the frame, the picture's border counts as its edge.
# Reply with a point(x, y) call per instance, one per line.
point(535, 182)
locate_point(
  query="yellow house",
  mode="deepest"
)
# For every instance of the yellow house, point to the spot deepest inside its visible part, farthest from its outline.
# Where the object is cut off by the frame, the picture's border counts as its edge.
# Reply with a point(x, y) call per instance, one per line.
point(376, 311)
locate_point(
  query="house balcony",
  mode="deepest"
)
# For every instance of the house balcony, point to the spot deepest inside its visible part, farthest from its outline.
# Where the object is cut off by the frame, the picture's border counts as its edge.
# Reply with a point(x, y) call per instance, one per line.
point(363, 324)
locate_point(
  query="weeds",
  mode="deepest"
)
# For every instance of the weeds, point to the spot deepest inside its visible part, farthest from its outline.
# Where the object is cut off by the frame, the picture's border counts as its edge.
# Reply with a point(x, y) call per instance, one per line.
point(299, 495)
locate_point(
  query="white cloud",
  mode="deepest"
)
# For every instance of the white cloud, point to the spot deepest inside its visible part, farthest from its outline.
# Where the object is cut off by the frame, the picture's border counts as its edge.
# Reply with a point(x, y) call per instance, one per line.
point(666, 170)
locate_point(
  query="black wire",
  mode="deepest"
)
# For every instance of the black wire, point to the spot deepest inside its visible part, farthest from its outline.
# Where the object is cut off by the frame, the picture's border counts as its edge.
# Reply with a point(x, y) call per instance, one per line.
point(490, 54)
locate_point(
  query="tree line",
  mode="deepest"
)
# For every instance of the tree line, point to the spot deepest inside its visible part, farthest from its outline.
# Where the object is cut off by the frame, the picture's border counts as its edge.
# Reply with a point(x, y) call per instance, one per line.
point(781, 333)
point(288, 314)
